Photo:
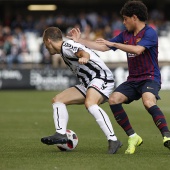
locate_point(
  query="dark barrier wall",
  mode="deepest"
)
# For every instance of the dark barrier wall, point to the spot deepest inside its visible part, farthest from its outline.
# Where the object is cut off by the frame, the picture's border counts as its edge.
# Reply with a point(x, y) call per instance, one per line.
point(15, 79)
point(41, 79)
point(59, 79)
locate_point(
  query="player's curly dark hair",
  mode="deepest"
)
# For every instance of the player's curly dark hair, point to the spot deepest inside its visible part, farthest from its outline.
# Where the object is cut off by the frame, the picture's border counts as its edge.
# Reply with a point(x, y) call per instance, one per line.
point(137, 8)
point(53, 33)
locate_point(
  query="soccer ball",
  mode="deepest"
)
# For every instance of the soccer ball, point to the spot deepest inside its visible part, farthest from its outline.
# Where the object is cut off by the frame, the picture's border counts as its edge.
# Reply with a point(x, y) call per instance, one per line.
point(71, 143)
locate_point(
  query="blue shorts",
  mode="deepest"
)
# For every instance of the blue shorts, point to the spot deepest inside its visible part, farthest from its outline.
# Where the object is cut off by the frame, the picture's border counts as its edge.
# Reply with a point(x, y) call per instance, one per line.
point(133, 90)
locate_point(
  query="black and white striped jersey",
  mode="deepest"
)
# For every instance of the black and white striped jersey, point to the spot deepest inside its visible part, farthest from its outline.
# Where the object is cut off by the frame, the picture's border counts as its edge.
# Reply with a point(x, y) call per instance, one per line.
point(95, 68)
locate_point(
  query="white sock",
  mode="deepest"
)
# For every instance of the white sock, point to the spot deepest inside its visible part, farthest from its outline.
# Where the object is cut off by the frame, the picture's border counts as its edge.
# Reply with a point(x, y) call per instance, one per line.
point(60, 116)
point(132, 135)
point(103, 121)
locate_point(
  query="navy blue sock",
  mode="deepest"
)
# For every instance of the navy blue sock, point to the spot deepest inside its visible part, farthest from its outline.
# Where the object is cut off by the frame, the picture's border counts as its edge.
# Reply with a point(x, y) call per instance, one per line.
point(159, 119)
point(122, 118)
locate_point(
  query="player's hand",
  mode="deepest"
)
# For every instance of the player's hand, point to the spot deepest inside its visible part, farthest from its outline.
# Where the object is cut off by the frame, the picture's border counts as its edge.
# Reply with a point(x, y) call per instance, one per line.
point(75, 34)
point(83, 60)
point(103, 42)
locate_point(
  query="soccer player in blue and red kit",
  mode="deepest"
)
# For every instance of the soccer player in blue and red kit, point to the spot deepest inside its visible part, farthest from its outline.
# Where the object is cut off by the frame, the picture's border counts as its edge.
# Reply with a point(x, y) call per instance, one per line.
point(140, 42)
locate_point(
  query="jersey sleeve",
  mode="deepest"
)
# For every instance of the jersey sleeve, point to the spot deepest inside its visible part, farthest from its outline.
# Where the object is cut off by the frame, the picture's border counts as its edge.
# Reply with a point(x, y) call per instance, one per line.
point(75, 47)
point(149, 39)
point(70, 48)
point(117, 39)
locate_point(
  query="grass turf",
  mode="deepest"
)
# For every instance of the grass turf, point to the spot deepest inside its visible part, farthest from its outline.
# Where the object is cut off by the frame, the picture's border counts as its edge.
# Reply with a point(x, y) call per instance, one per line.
point(26, 116)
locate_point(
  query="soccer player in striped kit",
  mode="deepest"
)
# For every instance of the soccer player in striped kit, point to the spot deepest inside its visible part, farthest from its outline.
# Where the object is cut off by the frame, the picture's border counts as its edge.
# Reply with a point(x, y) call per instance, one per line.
point(96, 84)
point(140, 42)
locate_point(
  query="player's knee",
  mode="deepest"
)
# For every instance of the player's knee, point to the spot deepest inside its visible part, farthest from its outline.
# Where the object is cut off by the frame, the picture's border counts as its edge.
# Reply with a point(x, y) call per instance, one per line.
point(55, 99)
point(117, 98)
point(87, 103)
point(148, 103)
point(113, 100)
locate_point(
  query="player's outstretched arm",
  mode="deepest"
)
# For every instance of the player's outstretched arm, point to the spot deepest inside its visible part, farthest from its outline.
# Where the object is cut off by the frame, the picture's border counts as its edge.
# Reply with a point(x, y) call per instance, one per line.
point(75, 35)
point(134, 49)
point(102, 41)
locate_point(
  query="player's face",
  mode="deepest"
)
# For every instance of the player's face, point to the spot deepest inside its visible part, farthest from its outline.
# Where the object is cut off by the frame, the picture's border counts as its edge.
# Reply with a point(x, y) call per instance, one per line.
point(49, 47)
point(129, 23)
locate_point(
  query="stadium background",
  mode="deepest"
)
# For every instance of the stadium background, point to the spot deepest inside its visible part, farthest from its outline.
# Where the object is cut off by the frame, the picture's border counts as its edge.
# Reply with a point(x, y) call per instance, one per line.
point(26, 115)
point(24, 62)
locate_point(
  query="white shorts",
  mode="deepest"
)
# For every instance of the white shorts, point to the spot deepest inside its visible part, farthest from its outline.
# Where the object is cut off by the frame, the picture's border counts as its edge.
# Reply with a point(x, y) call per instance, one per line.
point(104, 88)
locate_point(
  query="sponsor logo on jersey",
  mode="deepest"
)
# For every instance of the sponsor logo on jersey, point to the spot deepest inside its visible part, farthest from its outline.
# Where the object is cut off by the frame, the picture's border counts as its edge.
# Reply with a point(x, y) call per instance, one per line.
point(150, 88)
point(95, 86)
point(131, 55)
point(70, 46)
point(137, 40)
point(103, 86)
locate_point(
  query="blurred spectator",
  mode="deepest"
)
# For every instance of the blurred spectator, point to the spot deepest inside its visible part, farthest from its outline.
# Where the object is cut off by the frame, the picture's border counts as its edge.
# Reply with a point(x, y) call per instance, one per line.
point(117, 25)
point(29, 24)
point(60, 22)
point(70, 20)
point(92, 17)
point(152, 24)
point(2, 52)
point(20, 39)
point(12, 51)
point(88, 33)
point(82, 20)
point(107, 32)
point(57, 61)
point(40, 25)
point(24, 54)
point(46, 57)
point(105, 17)
point(156, 14)
point(18, 22)
point(6, 31)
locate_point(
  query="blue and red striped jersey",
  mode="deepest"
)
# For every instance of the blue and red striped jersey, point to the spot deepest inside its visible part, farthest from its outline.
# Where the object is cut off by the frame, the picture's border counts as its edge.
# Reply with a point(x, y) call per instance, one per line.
point(143, 66)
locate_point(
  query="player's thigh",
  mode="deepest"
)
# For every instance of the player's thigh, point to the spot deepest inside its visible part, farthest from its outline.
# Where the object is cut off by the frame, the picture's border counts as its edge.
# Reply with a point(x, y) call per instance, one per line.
point(151, 87)
point(117, 97)
point(93, 97)
point(98, 91)
point(70, 96)
point(124, 93)
point(148, 99)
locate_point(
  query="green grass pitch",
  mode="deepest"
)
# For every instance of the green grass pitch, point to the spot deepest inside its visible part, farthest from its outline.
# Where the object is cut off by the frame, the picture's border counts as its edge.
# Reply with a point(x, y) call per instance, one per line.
point(26, 116)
